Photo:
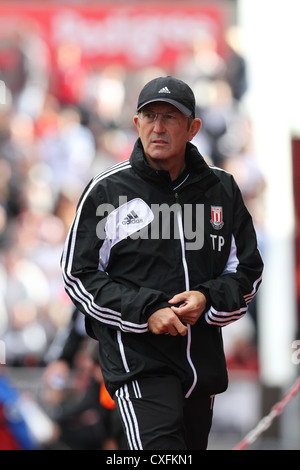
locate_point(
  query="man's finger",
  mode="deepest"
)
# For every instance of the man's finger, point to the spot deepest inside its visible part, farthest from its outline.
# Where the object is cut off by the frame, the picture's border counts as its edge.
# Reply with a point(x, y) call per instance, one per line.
point(180, 327)
point(178, 298)
point(184, 308)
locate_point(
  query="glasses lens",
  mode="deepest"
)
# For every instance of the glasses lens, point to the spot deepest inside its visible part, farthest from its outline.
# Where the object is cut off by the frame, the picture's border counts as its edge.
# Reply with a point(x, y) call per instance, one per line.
point(148, 116)
point(151, 116)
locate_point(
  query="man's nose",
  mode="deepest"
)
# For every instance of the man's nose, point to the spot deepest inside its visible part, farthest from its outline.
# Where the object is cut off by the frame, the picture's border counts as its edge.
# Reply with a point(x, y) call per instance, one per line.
point(159, 124)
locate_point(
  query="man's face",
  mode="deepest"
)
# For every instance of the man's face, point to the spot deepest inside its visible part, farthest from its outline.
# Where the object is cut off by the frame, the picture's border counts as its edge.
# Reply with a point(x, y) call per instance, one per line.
point(164, 139)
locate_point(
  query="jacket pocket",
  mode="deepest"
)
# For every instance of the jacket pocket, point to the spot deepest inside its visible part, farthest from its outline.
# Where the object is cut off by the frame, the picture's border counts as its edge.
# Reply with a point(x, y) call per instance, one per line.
point(207, 354)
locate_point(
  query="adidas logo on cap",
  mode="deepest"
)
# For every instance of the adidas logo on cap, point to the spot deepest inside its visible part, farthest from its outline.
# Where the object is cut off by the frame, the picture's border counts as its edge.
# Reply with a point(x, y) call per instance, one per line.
point(165, 89)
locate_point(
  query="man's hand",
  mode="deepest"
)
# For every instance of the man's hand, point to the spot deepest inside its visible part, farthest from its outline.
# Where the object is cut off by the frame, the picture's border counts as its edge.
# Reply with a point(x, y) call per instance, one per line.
point(193, 305)
point(165, 321)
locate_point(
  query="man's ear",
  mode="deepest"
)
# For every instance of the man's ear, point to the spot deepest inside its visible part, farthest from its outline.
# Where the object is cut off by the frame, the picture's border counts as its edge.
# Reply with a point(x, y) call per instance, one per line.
point(194, 128)
point(136, 121)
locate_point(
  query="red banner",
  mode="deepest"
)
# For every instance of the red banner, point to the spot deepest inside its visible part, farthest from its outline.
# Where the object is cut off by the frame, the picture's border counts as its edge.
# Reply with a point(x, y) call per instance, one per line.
point(133, 34)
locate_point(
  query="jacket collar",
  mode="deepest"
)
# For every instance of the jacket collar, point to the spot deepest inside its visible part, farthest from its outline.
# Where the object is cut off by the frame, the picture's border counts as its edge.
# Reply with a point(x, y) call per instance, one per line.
point(195, 163)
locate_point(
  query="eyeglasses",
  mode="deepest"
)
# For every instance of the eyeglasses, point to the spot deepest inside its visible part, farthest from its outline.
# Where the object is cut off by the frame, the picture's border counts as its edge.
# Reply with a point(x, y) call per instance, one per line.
point(170, 118)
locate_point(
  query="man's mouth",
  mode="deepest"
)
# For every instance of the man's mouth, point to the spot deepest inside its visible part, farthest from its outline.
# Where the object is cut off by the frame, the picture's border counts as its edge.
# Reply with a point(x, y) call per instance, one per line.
point(160, 141)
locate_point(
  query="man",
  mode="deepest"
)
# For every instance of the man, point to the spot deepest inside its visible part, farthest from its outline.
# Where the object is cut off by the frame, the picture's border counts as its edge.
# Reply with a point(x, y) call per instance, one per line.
point(161, 254)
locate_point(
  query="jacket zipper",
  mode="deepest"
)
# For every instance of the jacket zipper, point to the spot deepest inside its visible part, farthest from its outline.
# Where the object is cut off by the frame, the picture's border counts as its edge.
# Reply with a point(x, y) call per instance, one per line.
point(187, 287)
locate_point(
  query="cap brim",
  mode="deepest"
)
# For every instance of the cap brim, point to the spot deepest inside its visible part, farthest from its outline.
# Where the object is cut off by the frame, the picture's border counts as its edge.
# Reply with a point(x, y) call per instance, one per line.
point(177, 105)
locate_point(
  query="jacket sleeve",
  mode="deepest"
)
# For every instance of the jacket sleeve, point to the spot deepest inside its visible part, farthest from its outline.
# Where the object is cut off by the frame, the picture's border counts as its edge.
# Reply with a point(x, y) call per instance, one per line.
point(230, 293)
point(91, 289)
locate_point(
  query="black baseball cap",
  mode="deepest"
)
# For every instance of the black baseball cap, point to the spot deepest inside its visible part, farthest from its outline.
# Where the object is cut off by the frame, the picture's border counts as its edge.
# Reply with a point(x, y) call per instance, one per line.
point(171, 90)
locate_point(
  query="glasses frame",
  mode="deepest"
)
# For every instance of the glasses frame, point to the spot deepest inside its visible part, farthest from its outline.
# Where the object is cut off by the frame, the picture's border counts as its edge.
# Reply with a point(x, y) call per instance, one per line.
point(165, 119)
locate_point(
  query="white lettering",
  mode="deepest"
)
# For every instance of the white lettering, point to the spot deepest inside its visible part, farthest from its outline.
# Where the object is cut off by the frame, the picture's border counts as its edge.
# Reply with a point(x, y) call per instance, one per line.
point(175, 459)
point(217, 241)
point(164, 221)
point(139, 37)
point(213, 238)
point(119, 460)
point(221, 242)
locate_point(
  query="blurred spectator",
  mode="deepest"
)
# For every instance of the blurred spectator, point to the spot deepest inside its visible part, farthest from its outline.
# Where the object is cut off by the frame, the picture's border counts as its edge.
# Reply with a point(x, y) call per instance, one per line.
point(203, 61)
point(236, 67)
point(26, 77)
point(68, 152)
point(12, 62)
point(14, 431)
point(224, 121)
point(87, 418)
point(104, 92)
point(67, 82)
point(86, 422)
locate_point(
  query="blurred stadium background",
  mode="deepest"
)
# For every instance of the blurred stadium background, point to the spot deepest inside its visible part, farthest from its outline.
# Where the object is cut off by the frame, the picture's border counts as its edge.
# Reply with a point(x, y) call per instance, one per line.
point(70, 74)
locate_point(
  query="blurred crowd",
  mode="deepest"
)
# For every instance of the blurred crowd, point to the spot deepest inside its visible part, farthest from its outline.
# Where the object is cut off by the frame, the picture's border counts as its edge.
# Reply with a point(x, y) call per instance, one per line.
point(61, 126)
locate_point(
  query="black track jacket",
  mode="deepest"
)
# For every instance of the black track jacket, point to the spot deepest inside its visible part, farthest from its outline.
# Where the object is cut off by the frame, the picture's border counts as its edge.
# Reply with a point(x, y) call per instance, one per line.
point(136, 241)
